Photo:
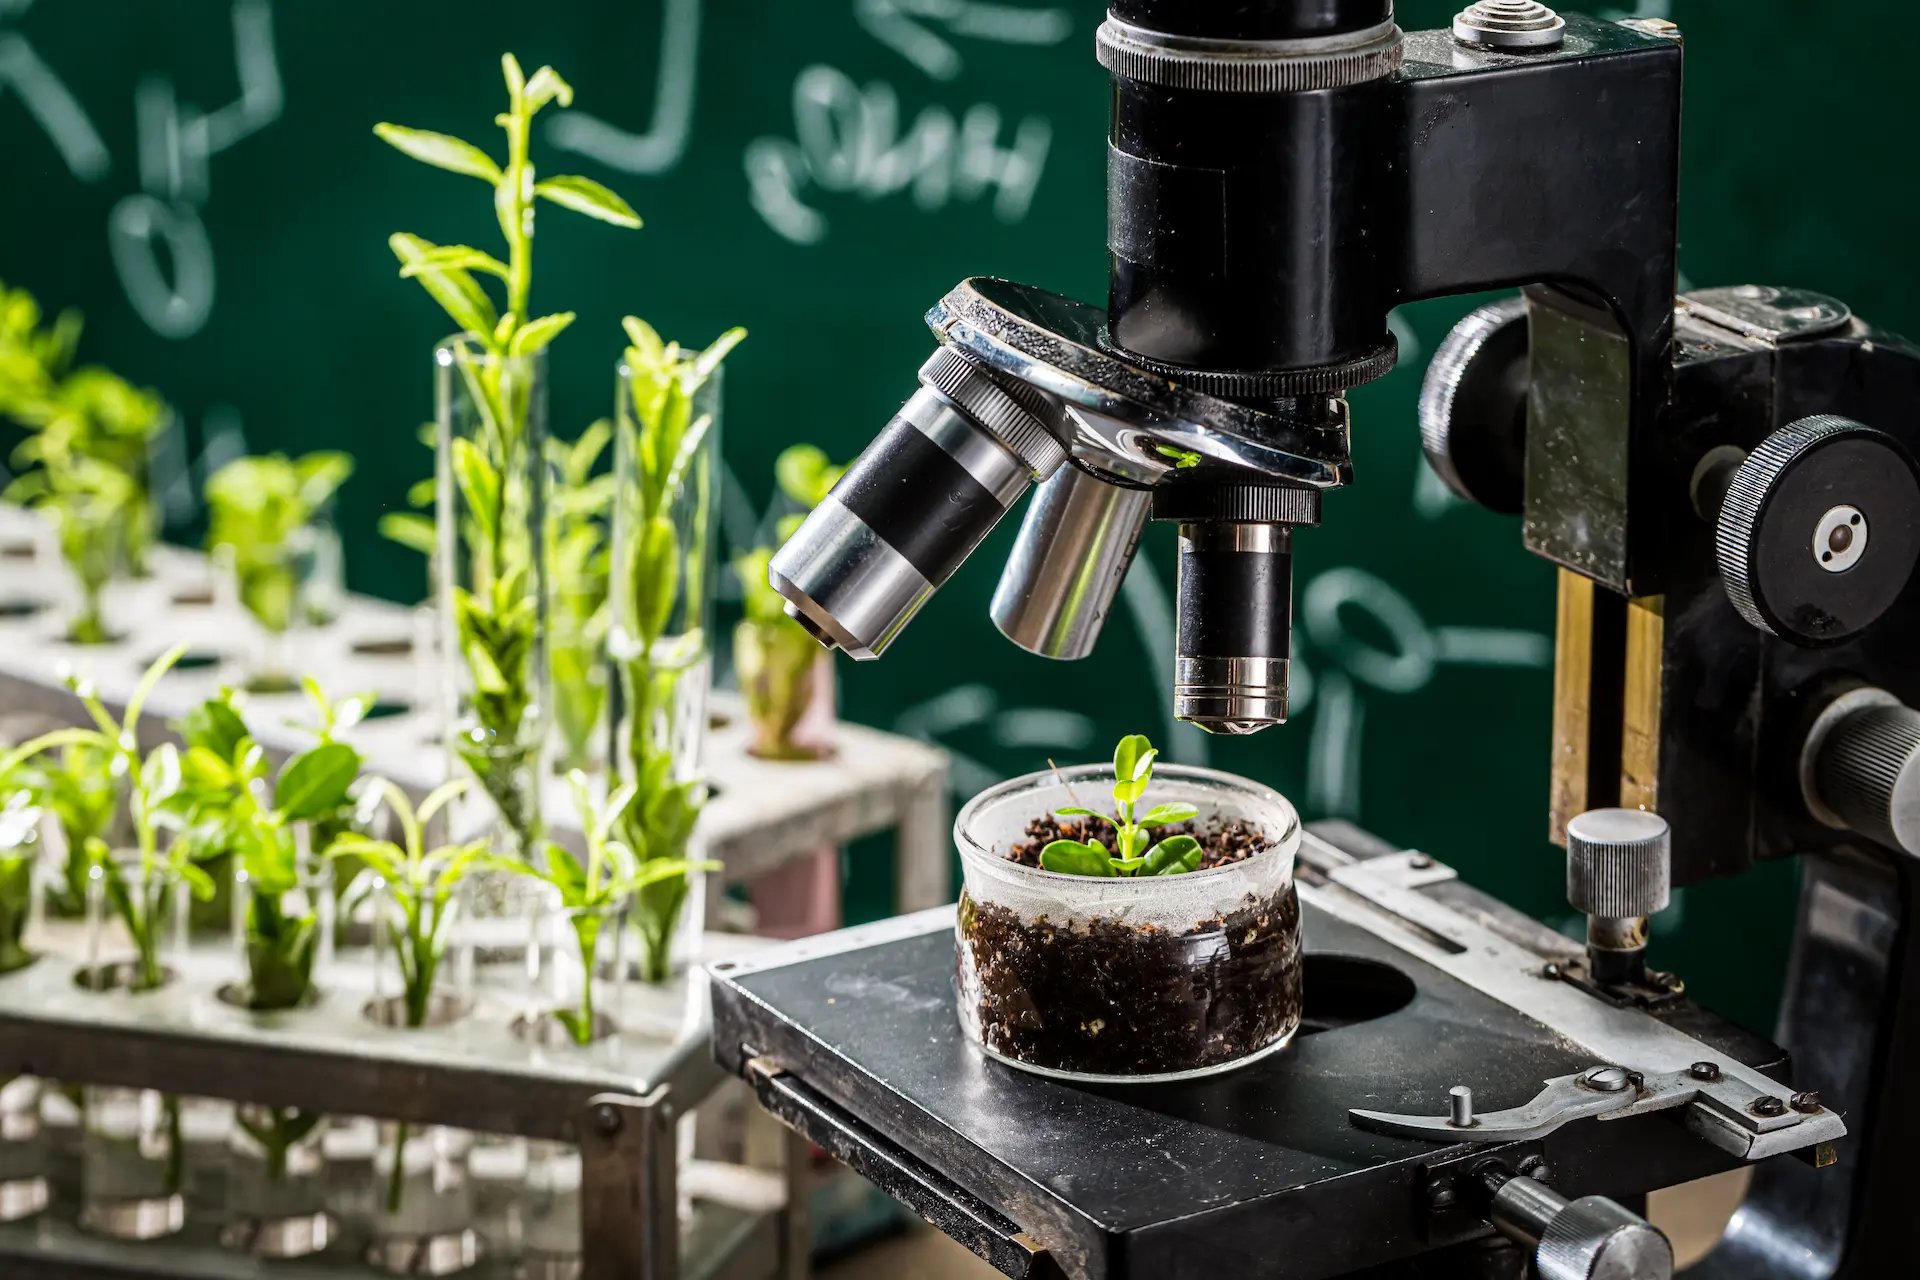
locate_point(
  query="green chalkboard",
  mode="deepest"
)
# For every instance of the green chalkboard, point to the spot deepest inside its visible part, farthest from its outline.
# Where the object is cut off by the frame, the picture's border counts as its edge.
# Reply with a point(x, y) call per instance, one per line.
point(199, 177)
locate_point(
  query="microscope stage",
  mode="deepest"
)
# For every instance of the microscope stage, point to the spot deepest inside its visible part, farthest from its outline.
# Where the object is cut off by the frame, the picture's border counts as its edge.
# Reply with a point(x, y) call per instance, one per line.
point(1254, 1173)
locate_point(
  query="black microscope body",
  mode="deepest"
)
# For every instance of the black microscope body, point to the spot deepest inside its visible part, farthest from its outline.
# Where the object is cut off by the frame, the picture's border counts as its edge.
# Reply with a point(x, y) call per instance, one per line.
point(1727, 482)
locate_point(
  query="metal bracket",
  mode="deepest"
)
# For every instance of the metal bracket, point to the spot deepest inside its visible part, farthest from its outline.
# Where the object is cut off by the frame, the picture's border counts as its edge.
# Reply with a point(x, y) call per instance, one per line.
point(1727, 1103)
point(1721, 1107)
point(1564, 1100)
point(629, 1192)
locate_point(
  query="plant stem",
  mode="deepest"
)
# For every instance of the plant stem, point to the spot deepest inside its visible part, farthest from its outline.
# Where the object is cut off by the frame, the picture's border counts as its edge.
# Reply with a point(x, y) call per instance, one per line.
point(396, 1179)
point(514, 219)
point(176, 1155)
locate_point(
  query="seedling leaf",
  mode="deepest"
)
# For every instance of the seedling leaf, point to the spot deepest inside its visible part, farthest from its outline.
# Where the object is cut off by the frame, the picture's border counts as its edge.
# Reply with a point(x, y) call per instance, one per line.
point(584, 195)
point(1070, 857)
point(441, 150)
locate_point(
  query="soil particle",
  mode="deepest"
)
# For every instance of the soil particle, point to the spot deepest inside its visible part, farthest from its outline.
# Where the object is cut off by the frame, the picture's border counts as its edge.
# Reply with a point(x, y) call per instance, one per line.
point(1221, 843)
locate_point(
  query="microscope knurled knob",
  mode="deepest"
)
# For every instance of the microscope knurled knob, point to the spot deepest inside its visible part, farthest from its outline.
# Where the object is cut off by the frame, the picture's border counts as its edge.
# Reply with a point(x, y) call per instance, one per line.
point(1015, 414)
point(1473, 407)
point(1819, 531)
point(1619, 863)
point(1868, 774)
point(1595, 1239)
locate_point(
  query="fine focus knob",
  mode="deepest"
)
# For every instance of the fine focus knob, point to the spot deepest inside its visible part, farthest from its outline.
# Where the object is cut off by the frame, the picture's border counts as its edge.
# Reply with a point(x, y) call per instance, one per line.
point(1473, 407)
point(1819, 531)
point(1861, 768)
point(1591, 1238)
point(1619, 863)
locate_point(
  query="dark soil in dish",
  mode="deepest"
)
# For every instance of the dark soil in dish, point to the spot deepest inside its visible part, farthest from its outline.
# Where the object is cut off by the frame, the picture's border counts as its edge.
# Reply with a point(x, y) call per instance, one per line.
point(1107, 997)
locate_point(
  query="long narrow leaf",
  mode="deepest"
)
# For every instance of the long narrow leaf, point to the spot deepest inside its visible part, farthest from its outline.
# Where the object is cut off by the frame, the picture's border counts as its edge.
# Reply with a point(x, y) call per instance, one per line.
point(441, 150)
point(584, 195)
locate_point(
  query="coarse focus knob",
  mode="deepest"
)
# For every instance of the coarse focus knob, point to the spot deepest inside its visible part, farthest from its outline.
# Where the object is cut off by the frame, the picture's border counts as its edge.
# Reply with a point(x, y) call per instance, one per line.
point(1619, 863)
point(1861, 768)
point(1819, 531)
point(1591, 1238)
point(1473, 407)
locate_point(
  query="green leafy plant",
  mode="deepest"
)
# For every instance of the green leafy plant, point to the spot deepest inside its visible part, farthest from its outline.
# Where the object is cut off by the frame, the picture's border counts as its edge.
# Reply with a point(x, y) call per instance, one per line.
point(20, 821)
point(214, 826)
point(773, 655)
point(420, 884)
point(579, 574)
point(154, 781)
point(226, 783)
point(496, 614)
point(593, 894)
point(662, 441)
point(257, 509)
point(79, 789)
point(1135, 851)
point(84, 462)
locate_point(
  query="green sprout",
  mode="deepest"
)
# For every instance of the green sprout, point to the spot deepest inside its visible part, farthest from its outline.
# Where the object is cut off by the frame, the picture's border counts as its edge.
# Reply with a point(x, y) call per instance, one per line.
point(20, 821)
point(663, 438)
point(497, 614)
point(257, 509)
point(579, 575)
point(154, 781)
point(79, 789)
point(420, 884)
point(226, 784)
point(593, 895)
point(773, 655)
point(84, 461)
point(1134, 852)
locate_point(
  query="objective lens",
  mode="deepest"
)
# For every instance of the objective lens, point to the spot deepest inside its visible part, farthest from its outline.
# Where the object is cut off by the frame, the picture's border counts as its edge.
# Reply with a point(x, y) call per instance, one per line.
point(1235, 626)
point(1068, 564)
point(917, 502)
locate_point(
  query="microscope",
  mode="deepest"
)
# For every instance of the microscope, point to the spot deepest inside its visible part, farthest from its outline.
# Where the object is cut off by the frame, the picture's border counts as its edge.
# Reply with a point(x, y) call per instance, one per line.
point(1727, 483)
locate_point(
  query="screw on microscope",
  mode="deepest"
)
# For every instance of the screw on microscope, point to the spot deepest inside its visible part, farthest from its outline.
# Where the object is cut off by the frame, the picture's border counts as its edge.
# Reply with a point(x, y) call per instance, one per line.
point(1768, 1105)
point(1440, 1196)
point(1806, 1103)
point(1704, 1071)
point(1535, 1167)
point(1420, 861)
point(606, 1118)
point(1550, 971)
point(1510, 25)
point(1607, 1079)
